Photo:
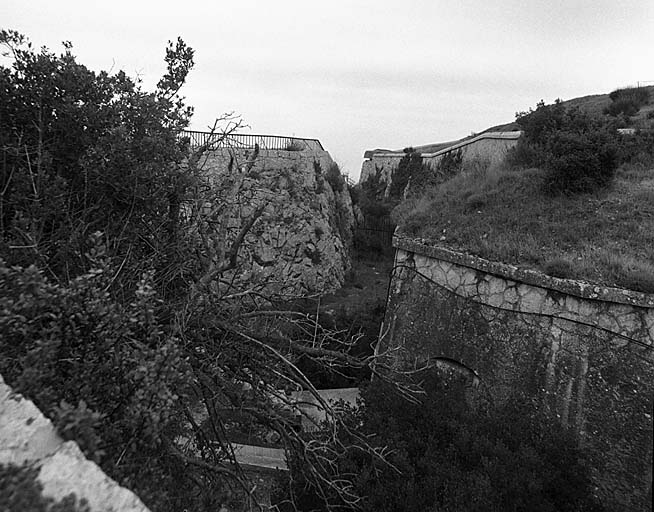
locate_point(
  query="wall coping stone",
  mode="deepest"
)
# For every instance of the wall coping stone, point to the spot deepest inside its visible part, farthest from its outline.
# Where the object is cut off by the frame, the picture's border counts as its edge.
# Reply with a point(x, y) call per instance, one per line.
point(568, 286)
point(28, 438)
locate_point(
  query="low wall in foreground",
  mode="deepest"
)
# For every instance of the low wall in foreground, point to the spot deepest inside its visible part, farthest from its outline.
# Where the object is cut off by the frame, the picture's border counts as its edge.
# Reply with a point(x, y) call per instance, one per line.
point(28, 439)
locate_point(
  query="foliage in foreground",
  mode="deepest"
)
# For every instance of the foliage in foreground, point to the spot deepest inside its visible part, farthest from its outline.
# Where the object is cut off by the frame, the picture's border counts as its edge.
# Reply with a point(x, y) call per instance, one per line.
point(107, 374)
point(126, 312)
point(459, 453)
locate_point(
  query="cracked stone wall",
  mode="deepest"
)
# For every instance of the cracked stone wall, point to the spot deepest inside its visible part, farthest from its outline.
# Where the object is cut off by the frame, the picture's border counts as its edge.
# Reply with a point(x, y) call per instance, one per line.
point(27, 438)
point(302, 241)
point(584, 351)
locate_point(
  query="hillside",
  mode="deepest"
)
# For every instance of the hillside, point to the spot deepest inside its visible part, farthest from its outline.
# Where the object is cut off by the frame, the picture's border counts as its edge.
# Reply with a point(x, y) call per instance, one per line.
point(523, 213)
point(593, 104)
point(605, 237)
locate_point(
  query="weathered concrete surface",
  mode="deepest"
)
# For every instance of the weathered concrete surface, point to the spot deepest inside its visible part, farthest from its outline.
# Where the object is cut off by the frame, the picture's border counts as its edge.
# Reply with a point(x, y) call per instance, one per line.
point(29, 438)
point(302, 241)
point(584, 352)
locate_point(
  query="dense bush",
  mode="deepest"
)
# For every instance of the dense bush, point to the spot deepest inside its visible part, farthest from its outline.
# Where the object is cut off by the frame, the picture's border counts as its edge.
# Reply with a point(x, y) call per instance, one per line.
point(637, 149)
point(81, 152)
point(410, 164)
point(106, 373)
point(628, 107)
point(453, 456)
point(580, 161)
point(334, 177)
point(627, 101)
point(578, 151)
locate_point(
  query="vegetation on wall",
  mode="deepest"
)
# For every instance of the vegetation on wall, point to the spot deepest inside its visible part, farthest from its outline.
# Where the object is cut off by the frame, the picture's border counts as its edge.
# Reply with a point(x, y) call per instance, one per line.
point(457, 453)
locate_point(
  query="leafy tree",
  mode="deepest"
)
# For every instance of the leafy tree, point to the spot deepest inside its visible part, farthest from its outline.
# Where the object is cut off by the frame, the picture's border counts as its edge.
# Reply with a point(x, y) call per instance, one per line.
point(84, 152)
point(410, 165)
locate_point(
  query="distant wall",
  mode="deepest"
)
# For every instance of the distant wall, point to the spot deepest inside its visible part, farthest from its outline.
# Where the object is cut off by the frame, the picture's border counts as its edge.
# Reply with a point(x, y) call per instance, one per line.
point(490, 147)
point(582, 352)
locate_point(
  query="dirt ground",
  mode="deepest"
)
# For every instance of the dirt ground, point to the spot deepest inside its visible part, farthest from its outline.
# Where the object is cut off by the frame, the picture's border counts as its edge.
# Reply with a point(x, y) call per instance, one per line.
point(365, 288)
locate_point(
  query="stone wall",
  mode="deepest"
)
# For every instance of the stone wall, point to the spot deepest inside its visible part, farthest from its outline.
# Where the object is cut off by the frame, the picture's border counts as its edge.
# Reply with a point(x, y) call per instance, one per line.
point(583, 352)
point(490, 148)
point(27, 438)
point(302, 241)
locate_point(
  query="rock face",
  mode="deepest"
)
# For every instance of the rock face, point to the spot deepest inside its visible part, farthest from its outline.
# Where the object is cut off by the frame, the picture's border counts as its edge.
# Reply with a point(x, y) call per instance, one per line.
point(301, 241)
point(27, 438)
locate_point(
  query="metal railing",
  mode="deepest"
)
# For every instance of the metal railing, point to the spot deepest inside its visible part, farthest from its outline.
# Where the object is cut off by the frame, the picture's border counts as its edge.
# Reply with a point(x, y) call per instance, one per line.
point(248, 141)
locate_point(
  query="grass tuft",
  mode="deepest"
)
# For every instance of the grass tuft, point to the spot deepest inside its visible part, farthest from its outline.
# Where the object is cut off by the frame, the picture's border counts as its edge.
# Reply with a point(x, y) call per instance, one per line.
point(501, 214)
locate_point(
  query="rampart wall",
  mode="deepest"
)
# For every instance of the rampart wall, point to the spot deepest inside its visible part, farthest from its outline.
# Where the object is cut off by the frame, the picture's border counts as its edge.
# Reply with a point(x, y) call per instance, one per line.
point(582, 352)
point(490, 148)
point(301, 243)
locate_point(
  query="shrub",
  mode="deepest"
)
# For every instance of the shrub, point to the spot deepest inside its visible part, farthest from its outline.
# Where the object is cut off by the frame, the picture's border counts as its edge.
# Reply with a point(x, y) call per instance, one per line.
point(627, 101)
point(639, 95)
point(559, 267)
point(74, 344)
point(579, 162)
point(450, 163)
point(454, 456)
point(410, 164)
point(636, 149)
point(334, 177)
point(522, 155)
point(627, 107)
point(578, 151)
point(355, 193)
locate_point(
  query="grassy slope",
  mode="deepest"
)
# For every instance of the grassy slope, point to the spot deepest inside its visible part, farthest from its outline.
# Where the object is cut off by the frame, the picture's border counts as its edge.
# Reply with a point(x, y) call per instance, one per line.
point(605, 237)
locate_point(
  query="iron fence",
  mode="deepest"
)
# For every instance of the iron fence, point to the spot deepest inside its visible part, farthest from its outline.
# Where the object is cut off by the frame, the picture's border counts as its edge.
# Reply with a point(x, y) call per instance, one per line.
point(248, 141)
point(375, 233)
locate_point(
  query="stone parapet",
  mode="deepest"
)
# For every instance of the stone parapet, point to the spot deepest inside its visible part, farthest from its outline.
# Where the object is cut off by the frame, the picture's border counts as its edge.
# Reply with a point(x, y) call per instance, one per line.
point(27, 438)
point(569, 286)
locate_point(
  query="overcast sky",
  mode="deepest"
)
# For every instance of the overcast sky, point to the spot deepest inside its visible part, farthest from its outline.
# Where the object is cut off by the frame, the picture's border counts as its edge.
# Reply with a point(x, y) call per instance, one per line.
point(360, 74)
